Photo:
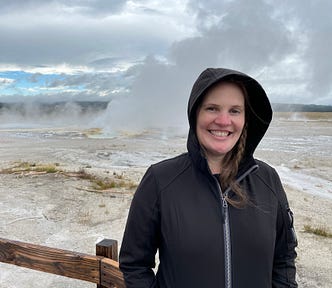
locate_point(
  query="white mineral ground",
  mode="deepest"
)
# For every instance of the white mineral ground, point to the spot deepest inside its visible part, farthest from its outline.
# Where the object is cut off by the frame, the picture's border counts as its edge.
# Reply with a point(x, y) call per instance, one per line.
point(64, 212)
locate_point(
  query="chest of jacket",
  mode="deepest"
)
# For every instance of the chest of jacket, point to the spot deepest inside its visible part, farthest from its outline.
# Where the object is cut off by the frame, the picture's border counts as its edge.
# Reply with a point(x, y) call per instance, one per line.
point(192, 228)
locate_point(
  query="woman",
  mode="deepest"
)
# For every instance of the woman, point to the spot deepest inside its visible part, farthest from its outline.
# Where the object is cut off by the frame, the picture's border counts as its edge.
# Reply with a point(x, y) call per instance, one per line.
point(217, 216)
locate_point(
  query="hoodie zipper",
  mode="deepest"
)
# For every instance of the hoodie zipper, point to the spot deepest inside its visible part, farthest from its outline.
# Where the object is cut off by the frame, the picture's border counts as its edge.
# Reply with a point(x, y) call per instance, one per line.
point(226, 225)
point(227, 239)
point(227, 244)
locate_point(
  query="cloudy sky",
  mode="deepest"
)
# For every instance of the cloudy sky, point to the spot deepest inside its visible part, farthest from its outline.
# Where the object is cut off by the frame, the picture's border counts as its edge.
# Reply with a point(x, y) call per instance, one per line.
point(149, 52)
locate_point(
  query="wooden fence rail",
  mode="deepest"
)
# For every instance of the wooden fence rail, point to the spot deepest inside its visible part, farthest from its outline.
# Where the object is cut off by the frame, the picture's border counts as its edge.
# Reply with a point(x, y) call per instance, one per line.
point(101, 269)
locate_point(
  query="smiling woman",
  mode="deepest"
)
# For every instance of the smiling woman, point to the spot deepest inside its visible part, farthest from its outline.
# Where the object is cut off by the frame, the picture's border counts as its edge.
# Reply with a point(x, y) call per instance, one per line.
point(215, 196)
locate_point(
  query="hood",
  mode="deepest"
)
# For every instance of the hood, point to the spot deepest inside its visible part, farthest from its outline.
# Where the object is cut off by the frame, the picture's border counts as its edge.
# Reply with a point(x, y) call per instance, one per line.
point(260, 114)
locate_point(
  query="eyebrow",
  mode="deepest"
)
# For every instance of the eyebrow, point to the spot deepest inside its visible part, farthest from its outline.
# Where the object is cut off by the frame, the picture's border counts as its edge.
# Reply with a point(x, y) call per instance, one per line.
point(238, 106)
point(214, 104)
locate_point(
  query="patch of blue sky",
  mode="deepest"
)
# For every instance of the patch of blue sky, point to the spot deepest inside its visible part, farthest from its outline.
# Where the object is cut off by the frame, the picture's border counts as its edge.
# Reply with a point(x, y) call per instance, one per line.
point(25, 83)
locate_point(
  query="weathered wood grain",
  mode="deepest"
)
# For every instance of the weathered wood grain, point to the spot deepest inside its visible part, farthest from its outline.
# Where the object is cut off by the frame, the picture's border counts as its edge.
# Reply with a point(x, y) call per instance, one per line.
point(109, 249)
point(95, 269)
point(51, 260)
point(111, 274)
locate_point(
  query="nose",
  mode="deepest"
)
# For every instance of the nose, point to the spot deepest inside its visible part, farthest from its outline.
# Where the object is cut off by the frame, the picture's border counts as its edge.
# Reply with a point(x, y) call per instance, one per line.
point(223, 119)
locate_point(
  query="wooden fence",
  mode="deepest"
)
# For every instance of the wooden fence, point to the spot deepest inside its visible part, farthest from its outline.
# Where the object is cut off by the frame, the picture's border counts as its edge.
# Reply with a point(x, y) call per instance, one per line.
point(101, 269)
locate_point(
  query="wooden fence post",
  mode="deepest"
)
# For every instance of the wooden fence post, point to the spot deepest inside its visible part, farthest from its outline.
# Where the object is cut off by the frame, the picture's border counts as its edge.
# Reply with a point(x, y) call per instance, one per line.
point(107, 248)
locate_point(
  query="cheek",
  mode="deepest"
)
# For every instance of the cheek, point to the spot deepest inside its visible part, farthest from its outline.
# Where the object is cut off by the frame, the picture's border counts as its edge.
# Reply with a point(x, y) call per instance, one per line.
point(240, 124)
point(201, 126)
point(199, 122)
point(199, 129)
point(203, 119)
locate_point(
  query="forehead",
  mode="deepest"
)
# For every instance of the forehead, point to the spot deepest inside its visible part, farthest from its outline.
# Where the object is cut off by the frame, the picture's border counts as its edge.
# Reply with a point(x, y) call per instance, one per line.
point(225, 92)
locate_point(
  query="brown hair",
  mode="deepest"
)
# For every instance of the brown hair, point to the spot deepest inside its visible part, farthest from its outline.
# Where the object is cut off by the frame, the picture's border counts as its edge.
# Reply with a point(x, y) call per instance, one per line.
point(231, 161)
point(230, 165)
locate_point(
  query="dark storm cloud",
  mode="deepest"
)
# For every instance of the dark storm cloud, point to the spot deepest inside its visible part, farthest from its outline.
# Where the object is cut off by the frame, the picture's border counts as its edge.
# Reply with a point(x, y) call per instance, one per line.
point(76, 32)
point(53, 43)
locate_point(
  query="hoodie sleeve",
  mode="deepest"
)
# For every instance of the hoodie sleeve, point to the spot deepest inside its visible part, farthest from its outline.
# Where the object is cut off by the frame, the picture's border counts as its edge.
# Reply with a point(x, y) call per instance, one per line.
point(284, 270)
point(141, 236)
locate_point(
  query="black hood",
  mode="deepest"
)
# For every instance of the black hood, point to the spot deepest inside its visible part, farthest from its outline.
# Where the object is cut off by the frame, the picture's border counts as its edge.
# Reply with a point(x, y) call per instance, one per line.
point(260, 112)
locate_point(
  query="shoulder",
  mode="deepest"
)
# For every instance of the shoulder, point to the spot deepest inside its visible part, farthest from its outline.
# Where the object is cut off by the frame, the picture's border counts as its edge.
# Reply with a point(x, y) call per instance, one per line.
point(270, 178)
point(168, 170)
point(268, 175)
point(183, 160)
point(265, 170)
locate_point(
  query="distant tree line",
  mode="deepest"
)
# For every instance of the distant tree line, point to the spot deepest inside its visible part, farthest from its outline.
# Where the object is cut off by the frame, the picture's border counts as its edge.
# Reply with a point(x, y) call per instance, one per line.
point(54, 106)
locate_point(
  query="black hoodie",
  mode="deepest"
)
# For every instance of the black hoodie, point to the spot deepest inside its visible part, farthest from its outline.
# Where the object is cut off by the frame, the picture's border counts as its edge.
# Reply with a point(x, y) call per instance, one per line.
point(179, 210)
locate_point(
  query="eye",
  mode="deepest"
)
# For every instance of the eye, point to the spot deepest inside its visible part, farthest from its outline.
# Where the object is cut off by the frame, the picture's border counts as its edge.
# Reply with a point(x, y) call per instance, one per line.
point(236, 111)
point(211, 108)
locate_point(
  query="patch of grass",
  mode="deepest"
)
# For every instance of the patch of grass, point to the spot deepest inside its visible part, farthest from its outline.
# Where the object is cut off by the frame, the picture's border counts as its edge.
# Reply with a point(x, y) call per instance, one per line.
point(47, 169)
point(26, 167)
point(320, 231)
point(99, 183)
point(103, 184)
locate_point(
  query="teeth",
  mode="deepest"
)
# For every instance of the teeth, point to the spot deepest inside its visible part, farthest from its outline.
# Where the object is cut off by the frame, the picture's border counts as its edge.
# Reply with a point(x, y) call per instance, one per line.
point(220, 133)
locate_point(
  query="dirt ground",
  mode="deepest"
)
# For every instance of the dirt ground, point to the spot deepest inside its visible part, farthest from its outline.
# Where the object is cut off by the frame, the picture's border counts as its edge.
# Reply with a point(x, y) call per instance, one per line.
point(63, 211)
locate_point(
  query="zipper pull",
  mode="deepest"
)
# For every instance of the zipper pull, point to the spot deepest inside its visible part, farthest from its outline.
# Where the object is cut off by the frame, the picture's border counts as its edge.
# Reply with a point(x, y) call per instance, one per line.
point(224, 208)
point(224, 202)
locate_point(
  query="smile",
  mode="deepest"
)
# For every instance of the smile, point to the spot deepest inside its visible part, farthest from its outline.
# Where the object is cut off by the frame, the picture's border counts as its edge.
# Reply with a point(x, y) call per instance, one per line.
point(219, 133)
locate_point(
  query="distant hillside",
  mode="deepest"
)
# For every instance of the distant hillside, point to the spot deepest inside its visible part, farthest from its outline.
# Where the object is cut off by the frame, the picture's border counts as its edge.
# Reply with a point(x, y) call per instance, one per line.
point(83, 106)
point(283, 107)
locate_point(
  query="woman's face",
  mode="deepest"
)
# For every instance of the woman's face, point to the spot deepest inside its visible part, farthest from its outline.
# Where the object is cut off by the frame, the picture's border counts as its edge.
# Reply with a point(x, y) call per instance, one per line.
point(220, 120)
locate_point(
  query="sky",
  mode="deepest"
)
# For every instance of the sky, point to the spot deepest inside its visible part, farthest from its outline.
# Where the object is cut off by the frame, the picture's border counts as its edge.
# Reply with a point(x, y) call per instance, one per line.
point(144, 55)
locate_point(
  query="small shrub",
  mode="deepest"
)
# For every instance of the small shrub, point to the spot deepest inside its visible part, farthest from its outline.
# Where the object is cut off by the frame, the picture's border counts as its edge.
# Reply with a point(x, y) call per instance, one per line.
point(82, 174)
point(320, 231)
